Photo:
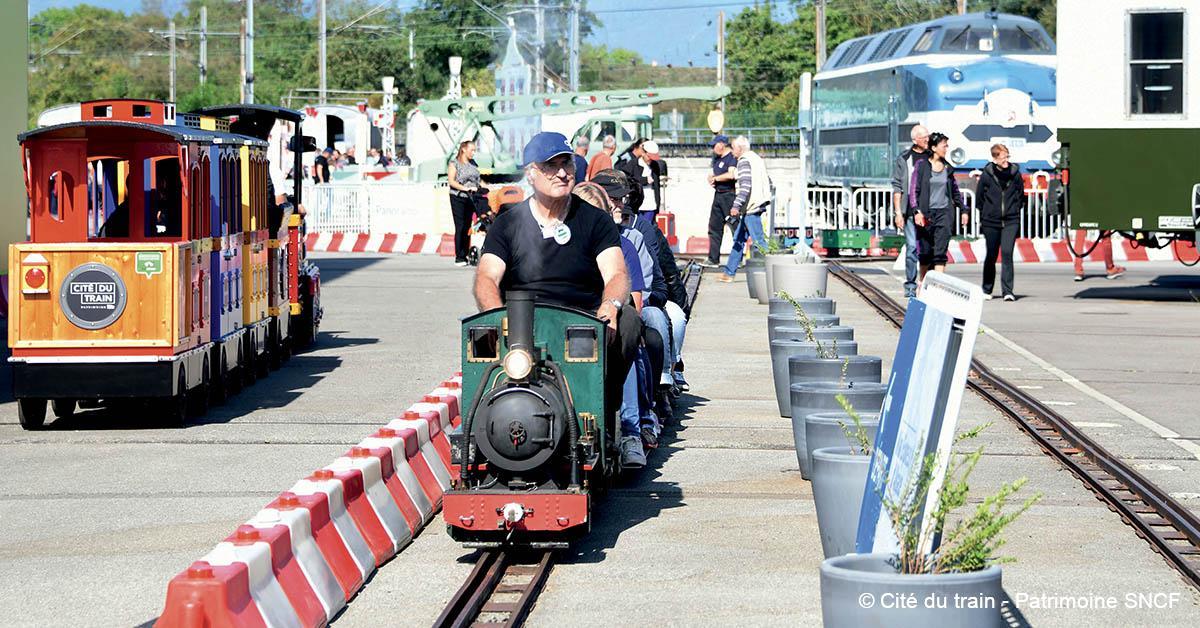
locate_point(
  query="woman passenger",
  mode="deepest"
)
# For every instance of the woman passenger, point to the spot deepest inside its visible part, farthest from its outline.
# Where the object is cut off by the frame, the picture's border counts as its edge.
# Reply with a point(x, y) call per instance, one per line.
point(934, 193)
point(1001, 197)
point(463, 176)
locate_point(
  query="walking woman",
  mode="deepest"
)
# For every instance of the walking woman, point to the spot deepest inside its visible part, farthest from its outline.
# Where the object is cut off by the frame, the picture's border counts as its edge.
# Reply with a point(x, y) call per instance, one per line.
point(1001, 198)
point(934, 193)
point(465, 192)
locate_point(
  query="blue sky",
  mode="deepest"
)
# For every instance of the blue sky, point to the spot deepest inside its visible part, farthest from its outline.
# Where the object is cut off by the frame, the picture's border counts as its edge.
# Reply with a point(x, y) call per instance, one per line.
point(667, 31)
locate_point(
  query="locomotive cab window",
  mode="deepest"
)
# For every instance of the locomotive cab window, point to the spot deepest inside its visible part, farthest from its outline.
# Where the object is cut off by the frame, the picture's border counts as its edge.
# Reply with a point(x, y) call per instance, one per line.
point(582, 345)
point(1156, 63)
point(483, 344)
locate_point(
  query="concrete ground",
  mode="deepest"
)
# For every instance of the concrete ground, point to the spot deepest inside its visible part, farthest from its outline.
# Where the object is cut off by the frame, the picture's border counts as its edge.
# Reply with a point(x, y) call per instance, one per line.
point(100, 513)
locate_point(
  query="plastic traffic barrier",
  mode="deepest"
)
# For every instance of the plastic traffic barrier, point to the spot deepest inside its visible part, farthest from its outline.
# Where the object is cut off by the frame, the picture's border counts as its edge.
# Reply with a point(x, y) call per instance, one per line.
point(250, 542)
point(437, 432)
point(424, 428)
point(306, 554)
point(370, 471)
point(421, 462)
point(404, 472)
point(360, 510)
point(328, 540)
point(323, 483)
point(210, 595)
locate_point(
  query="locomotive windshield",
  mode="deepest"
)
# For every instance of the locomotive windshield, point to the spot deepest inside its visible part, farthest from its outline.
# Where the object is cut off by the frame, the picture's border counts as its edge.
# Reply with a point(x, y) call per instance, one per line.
point(994, 38)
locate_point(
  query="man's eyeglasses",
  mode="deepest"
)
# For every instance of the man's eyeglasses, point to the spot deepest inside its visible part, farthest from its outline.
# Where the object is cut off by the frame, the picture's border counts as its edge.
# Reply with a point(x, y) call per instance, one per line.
point(554, 166)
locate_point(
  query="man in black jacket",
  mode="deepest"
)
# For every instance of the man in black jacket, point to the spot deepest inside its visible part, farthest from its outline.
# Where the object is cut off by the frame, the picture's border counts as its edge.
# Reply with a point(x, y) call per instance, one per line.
point(1001, 197)
point(902, 171)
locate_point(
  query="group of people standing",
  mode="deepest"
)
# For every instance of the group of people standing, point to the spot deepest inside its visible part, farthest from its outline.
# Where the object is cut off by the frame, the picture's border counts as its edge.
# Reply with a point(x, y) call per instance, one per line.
point(741, 195)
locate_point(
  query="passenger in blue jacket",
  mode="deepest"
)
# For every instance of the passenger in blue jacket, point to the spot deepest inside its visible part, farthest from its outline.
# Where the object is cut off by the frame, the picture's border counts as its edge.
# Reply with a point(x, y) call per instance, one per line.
point(934, 193)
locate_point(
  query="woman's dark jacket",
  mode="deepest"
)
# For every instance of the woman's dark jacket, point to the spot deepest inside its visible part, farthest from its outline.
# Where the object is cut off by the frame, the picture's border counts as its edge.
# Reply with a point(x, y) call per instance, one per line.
point(918, 192)
point(999, 205)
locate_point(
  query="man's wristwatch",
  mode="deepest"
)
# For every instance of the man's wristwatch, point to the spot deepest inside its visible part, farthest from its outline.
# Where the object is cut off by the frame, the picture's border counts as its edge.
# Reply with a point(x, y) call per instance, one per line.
point(617, 304)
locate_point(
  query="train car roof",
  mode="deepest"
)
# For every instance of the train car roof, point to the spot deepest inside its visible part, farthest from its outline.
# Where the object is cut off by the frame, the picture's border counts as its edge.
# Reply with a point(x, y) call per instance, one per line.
point(903, 42)
point(253, 120)
point(74, 130)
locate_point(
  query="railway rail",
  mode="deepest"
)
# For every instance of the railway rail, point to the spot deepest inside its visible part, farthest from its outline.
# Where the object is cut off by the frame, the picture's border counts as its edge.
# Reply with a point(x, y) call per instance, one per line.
point(500, 591)
point(1170, 528)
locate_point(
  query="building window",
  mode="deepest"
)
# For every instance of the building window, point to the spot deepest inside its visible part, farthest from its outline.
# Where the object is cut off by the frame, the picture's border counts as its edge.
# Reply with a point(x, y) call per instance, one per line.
point(1156, 63)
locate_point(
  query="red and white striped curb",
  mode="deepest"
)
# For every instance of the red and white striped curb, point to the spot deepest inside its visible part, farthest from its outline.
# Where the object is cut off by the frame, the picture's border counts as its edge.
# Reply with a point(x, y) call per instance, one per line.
point(298, 561)
point(1056, 250)
point(404, 243)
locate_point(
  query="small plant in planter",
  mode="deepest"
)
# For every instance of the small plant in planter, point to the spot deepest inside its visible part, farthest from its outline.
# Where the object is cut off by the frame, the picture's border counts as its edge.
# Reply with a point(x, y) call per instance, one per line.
point(839, 476)
point(856, 434)
point(964, 565)
point(806, 323)
point(774, 246)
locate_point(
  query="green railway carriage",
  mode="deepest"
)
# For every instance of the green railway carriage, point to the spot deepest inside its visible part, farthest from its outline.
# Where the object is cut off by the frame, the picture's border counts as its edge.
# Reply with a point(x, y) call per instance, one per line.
point(1130, 117)
point(534, 443)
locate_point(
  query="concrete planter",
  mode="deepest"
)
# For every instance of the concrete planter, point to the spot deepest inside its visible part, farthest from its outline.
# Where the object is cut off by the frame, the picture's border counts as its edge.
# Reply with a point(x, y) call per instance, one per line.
point(773, 261)
point(821, 430)
point(810, 305)
point(812, 397)
point(839, 477)
point(823, 333)
point(758, 281)
point(751, 271)
point(781, 350)
point(798, 280)
point(810, 368)
point(785, 332)
point(864, 590)
point(789, 320)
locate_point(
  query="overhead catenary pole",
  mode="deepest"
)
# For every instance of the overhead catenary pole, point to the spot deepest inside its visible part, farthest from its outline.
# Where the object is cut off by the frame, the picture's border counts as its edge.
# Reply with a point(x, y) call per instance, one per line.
point(574, 46)
point(171, 36)
point(962, 7)
point(721, 52)
point(820, 6)
point(248, 94)
point(321, 53)
point(242, 61)
point(203, 44)
point(539, 73)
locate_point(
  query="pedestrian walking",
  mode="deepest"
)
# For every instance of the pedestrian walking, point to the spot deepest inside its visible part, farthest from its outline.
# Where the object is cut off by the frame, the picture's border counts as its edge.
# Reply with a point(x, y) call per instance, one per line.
point(752, 199)
point(934, 193)
point(723, 180)
point(462, 174)
point(1000, 196)
point(902, 171)
point(321, 165)
point(603, 160)
point(654, 174)
point(1111, 270)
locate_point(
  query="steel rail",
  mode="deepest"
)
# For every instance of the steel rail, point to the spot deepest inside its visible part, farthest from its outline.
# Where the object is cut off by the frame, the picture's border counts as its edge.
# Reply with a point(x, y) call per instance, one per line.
point(1170, 528)
point(485, 598)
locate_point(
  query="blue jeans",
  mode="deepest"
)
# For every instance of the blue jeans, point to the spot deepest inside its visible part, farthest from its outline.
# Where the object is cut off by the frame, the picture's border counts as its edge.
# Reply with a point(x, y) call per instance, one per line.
point(656, 319)
point(630, 413)
point(752, 226)
point(911, 263)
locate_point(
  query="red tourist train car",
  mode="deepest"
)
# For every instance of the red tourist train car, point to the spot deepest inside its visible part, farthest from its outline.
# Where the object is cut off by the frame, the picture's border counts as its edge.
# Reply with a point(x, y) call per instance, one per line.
point(159, 265)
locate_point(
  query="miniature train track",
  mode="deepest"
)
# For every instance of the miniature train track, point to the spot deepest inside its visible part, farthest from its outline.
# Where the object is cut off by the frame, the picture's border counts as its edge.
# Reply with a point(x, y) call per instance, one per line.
point(1170, 528)
point(500, 591)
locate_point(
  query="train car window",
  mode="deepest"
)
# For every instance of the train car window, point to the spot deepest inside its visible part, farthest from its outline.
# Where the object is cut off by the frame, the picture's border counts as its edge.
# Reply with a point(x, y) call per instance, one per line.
point(1156, 63)
point(235, 214)
point(582, 345)
point(141, 111)
point(102, 111)
point(58, 194)
point(164, 198)
point(205, 228)
point(1021, 39)
point(483, 344)
point(109, 216)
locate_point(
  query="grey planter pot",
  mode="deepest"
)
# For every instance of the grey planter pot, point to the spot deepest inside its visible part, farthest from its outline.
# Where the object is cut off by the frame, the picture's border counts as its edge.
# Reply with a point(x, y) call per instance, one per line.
point(839, 478)
point(826, 333)
point(784, 332)
point(773, 261)
point(821, 430)
point(812, 397)
point(789, 320)
point(810, 368)
point(760, 287)
point(781, 350)
point(798, 280)
point(853, 588)
point(810, 305)
point(751, 271)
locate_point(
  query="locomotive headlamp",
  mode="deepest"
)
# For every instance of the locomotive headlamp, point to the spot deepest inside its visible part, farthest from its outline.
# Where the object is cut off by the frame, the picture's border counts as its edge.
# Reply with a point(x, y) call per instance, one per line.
point(1055, 158)
point(518, 364)
point(958, 156)
point(956, 75)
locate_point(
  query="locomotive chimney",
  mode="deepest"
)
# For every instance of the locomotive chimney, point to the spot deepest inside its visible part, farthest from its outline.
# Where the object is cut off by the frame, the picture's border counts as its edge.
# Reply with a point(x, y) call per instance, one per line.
point(520, 319)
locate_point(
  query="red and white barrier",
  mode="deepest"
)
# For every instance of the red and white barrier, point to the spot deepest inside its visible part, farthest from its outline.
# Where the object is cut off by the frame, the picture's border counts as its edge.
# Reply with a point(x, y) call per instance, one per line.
point(405, 243)
point(301, 559)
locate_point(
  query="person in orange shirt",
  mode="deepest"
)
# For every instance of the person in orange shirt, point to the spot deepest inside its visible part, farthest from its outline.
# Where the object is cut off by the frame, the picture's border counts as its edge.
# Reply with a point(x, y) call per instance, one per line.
point(603, 159)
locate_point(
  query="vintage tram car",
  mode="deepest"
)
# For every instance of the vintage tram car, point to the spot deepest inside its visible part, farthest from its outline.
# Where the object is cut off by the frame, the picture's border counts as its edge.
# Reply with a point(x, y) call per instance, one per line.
point(158, 264)
point(534, 444)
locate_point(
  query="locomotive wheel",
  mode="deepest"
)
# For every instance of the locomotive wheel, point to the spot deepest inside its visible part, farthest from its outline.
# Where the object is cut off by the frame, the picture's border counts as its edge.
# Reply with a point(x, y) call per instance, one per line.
point(31, 413)
point(63, 408)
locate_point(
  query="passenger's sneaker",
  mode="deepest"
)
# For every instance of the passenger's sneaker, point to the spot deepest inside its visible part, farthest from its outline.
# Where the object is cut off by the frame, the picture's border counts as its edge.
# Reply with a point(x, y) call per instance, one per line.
point(710, 264)
point(725, 278)
point(649, 437)
point(632, 454)
point(987, 296)
point(1116, 271)
point(460, 263)
point(1009, 297)
point(680, 382)
point(1078, 277)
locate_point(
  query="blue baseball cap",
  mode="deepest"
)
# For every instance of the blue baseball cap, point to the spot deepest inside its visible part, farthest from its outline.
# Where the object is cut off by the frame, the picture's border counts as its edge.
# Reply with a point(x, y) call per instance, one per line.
point(720, 139)
point(544, 147)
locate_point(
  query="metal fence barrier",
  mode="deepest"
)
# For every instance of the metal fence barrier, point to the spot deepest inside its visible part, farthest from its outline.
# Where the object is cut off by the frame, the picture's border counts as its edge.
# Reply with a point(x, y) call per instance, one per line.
point(358, 207)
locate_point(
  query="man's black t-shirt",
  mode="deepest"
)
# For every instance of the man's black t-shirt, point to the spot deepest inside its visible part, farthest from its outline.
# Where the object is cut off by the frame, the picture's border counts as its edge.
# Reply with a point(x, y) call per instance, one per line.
point(562, 274)
point(720, 166)
point(321, 165)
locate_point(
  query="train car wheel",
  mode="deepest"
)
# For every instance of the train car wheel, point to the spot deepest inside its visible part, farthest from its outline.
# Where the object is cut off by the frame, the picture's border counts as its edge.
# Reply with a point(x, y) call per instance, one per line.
point(250, 366)
point(263, 362)
point(175, 408)
point(31, 413)
point(201, 394)
point(274, 351)
point(233, 381)
point(63, 408)
point(220, 382)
